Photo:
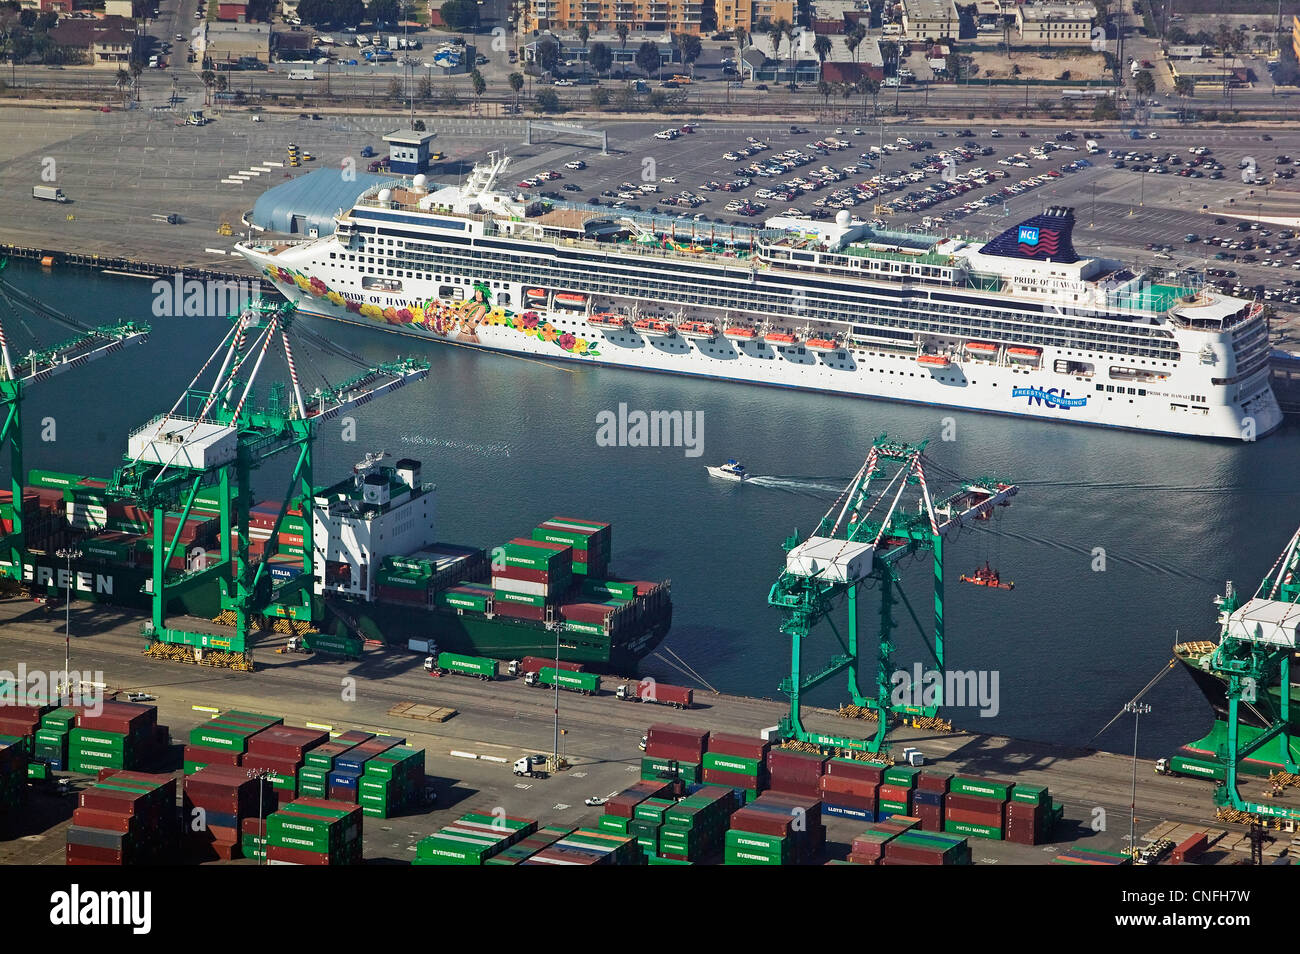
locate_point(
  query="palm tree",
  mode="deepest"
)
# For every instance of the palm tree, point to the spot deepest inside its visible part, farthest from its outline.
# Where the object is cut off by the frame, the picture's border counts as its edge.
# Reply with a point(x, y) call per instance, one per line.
point(789, 36)
point(584, 34)
point(1223, 37)
point(822, 47)
point(516, 81)
point(1185, 88)
point(209, 80)
point(136, 68)
point(777, 32)
point(123, 80)
point(854, 41)
point(742, 35)
point(824, 89)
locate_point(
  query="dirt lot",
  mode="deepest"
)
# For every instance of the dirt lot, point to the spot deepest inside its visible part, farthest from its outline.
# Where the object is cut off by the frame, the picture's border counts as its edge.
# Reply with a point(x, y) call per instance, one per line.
point(1082, 65)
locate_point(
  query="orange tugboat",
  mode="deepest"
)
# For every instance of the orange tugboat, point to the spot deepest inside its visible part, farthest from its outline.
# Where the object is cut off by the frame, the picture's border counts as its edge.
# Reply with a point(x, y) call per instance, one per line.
point(987, 576)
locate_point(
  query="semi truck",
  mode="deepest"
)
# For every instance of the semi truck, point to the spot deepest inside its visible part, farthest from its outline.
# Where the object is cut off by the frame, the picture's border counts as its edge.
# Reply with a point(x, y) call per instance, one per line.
point(49, 193)
point(328, 644)
point(648, 690)
point(587, 683)
point(521, 667)
point(480, 666)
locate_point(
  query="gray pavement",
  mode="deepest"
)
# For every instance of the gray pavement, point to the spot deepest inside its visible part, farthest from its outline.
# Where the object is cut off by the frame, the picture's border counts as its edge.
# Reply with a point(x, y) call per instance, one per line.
point(505, 719)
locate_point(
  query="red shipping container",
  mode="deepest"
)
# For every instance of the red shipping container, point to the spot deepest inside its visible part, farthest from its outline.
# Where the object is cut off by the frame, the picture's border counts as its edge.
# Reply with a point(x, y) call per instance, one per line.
point(933, 781)
point(535, 664)
point(931, 817)
point(1189, 848)
point(847, 800)
point(519, 611)
point(281, 766)
point(111, 800)
point(90, 855)
point(744, 746)
point(524, 574)
point(974, 818)
point(796, 766)
point(207, 756)
point(895, 793)
point(685, 736)
point(731, 779)
point(832, 786)
point(586, 612)
point(787, 787)
point(253, 826)
point(761, 823)
point(120, 822)
point(677, 753)
point(286, 741)
point(862, 771)
point(973, 803)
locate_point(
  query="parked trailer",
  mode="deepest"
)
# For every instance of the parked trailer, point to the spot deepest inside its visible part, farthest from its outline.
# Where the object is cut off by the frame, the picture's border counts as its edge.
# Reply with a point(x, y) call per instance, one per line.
point(483, 668)
point(520, 667)
point(588, 683)
point(648, 690)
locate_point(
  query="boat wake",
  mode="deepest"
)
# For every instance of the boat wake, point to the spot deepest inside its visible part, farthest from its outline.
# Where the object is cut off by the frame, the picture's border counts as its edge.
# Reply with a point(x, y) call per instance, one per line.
point(486, 450)
point(805, 486)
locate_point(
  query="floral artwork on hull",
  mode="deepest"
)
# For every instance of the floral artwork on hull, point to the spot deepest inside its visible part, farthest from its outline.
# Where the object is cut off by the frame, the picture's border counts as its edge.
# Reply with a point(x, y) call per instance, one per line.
point(443, 318)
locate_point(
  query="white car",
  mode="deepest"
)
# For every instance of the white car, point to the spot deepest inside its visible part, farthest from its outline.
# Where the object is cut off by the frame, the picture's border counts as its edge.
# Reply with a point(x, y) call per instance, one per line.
point(1153, 135)
point(563, 82)
point(575, 164)
point(671, 179)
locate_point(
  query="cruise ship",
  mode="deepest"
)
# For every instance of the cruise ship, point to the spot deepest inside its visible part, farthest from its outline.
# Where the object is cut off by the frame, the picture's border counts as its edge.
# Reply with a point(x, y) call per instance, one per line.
point(1022, 324)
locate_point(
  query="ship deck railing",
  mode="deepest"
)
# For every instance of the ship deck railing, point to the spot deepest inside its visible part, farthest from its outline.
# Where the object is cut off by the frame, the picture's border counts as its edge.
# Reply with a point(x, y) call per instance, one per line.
point(918, 258)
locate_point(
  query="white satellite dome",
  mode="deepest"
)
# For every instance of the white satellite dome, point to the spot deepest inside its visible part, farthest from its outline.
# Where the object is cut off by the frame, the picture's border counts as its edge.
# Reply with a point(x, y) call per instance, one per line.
point(420, 181)
point(385, 195)
point(842, 217)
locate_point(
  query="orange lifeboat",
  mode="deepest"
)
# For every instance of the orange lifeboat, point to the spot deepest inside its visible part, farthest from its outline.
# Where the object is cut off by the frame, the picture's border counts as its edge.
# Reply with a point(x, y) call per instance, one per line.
point(536, 296)
point(654, 328)
point(697, 329)
point(607, 319)
point(779, 338)
point(571, 300)
point(932, 360)
point(740, 333)
point(823, 344)
point(1024, 354)
point(985, 349)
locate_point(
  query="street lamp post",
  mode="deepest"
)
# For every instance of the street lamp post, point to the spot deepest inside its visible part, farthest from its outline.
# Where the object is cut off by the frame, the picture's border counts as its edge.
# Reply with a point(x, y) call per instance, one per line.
point(69, 554)
point(1139, 709)
point(260, 775)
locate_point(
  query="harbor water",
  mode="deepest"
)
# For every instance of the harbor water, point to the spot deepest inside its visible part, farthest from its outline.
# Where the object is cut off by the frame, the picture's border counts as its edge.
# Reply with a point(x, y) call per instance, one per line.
point(1117, 542)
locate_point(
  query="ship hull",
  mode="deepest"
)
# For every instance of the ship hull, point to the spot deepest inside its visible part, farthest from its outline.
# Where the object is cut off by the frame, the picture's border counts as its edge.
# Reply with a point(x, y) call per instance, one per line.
point(500, 637)
point(882, 374)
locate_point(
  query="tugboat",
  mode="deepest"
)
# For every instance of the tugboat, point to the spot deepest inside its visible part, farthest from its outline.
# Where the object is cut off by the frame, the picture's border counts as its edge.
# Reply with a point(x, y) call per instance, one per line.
point(731, 470)
point(987, 576)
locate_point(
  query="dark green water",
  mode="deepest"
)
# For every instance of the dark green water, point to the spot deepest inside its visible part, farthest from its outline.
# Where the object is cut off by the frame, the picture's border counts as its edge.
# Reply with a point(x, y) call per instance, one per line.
point(513, 441)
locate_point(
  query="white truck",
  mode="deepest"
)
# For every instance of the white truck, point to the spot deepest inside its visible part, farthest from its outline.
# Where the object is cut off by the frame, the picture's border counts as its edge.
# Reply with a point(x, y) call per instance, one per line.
point(532, 766)
point(49, 193)
point(1093, 147)
point(302, 74)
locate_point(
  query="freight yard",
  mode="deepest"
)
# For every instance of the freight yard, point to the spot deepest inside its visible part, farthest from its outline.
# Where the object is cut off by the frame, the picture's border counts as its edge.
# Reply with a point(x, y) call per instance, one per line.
point(468, 757)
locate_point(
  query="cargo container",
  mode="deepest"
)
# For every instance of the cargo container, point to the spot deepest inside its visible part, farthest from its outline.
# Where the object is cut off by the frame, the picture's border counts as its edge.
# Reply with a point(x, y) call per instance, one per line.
point(588, 683)
point(649, 690)
point(479, 666)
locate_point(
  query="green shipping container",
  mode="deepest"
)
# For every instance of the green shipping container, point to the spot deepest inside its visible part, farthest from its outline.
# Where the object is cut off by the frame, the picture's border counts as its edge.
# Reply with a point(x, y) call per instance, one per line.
point(1033, 794)
point(577, 681)
point(979, 786)
point(468, 665)
point(601, 588)
point(732, 763)
point(467, 601)
point(526, 599)
point(904, 775)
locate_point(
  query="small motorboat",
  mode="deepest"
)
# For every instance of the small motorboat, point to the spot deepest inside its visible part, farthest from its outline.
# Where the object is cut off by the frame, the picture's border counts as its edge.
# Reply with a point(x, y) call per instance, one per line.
point(987, 576)
point(731, 470)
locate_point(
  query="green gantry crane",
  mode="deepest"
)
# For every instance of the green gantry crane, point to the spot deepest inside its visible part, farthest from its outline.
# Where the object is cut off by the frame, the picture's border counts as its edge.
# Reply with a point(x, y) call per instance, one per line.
point(858, 545)
point(85, 344)
point(214, 437)
point(1253, 658)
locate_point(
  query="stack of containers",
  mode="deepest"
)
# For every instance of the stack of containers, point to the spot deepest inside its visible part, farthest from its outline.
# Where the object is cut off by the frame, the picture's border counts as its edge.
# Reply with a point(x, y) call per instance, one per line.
point(737, 761)
point(223, 796)
point(796, 773)
point(1027, 815)
point(974, 806)
point(696, 826)
point(13, 777)
point(589, 846)
point(520, 851)
point(392, 782)
point(281, 750)
point(535, 572)
point(53, 735)
point(676, 744)
point(850, 788)
point(895, 793)
point(869, 847)
point(775, 829)
point(123, 735)
point(646, 822)
point(224, 739)
point(313, 831)
point(313, 777)
point(916, 847)
point(126, 818)
point(1090, 856)
point(400, 584)
point(22, 722)
point(465, 596)
point(594, 619)
point(252, 838)
point(620, 809)
point(537, 664)
point(927, 799)
point(473, 839)
point(592, 542)
point(291, 538)
point(349, 766)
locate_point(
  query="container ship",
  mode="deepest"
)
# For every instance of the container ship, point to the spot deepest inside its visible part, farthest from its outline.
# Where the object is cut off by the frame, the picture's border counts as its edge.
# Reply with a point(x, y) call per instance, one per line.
point(1022, 324)
point(379, 571)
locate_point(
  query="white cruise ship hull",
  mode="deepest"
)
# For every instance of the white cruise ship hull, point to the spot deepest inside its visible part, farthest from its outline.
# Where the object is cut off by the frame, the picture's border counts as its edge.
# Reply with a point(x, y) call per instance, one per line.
point(1169, 406)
